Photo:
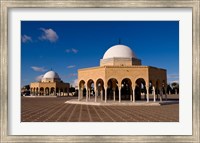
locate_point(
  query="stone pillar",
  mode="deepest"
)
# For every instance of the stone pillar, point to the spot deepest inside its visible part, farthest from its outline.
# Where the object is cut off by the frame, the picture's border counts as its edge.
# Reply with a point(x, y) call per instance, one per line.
point(101, 94)
point(119, 94)
point(161, 93)
point(59, 93)
point(86, 96)
point(147, 88)
point(154, 94)
point(96, 92)
point(133, 88)
point(44, 92)
point(113, 94)
point(166, 94)
point(89, 93)
point(79, 94)
point(105, 94)
point(131, 97)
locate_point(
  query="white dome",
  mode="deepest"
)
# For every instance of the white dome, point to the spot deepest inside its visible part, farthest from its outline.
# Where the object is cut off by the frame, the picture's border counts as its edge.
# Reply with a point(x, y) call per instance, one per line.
point(119, 51)
point(51, 75)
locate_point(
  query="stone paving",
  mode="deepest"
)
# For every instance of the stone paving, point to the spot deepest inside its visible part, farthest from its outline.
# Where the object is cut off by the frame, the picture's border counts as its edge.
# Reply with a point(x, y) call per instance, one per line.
point(54, 109)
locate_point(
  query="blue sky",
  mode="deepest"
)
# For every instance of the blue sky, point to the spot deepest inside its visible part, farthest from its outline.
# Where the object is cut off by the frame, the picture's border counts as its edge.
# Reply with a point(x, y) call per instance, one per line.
point(66, 46)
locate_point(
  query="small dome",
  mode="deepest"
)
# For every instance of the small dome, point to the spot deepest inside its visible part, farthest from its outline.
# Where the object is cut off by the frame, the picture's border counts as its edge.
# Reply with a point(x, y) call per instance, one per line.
point(51, 75)
point(119, 51)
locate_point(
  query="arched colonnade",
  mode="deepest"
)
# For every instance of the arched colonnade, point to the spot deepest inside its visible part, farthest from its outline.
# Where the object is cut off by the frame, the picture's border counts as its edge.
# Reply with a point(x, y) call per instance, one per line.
point(49, 91)
point(118, 90)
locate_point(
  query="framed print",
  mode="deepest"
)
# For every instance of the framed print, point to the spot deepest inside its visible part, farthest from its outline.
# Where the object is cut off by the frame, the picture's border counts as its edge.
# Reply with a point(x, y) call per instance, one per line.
point(99, 71)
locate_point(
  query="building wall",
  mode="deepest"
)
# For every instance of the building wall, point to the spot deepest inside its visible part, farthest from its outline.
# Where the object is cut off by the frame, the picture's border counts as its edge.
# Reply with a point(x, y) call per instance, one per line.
point(133, 73)
point(117, 72)
point(50, 80)
point(121, 72)
point(120, 62)
point(36, 86)
point(91, 73)
point(43, 84)
point(157, 74)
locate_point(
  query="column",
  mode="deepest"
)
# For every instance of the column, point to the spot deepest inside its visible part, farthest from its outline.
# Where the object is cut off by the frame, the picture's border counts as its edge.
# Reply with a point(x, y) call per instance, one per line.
point(54, 92)
point(95, 99)
point(131, 97)
point(133, 93)
point(101, 94)
point(86, 98)
point(165, 94)
point(59, 93)
point(161, 93)
point(79, 94)
point(89, 93)
point(147, 88)
point(154, 94)
point(105, 94)
point(44, 92)
point(113, 94)
point(119, 94)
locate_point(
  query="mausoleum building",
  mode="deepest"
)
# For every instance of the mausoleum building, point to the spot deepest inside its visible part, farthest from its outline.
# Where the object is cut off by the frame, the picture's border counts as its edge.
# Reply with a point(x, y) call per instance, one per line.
point(50, 85)
point(121, 76)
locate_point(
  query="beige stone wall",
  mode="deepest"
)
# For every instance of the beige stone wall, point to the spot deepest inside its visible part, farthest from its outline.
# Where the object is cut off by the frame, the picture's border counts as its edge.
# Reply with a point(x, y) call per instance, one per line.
point(158, 74)
point(133, 73)
point(50, 80)
point(49, 85)
point(91, 73)
point(121, 72)
point(120, 62)
point(43, 84)
point(117, 72)
point(34, 84)
point(62, 87)
point(116, 62)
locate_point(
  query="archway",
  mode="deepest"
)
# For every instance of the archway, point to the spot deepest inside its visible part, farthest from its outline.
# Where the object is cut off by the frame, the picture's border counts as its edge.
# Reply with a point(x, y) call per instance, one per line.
point(41, 91)
point(157, 90)
point(34, 91)
point(82, 89)
point(90, 88)
point(163, 87)
point(140, 89)
point(57, 91)
point(150, 87)
point(66, 93)
point(37, 91)
point(61, 92)
point(112, 90)
point(52, 91)
point(46, 91)
point(100, 88)
point(126, 90)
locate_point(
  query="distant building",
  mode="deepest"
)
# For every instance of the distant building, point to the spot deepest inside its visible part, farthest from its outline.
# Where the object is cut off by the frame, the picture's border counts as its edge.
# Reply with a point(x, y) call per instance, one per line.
point(120, 76)
point(50, 85)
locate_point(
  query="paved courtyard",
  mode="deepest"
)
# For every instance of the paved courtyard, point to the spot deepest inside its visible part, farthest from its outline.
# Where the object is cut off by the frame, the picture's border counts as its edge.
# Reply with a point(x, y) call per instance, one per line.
point(54, 109)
